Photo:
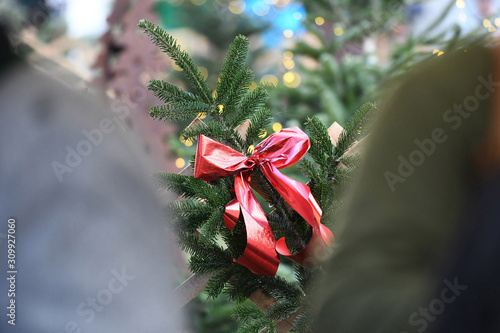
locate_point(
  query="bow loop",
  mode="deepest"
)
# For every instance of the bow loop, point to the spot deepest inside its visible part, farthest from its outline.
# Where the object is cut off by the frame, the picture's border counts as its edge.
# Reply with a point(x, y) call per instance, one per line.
point(284, 148)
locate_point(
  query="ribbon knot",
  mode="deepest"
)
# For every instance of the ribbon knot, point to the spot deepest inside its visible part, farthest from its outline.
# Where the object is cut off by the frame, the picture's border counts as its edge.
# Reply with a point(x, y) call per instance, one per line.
point(280, 150)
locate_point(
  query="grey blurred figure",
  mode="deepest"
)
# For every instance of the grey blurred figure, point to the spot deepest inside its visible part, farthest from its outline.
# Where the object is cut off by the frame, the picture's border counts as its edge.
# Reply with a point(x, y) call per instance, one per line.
point(91, 243)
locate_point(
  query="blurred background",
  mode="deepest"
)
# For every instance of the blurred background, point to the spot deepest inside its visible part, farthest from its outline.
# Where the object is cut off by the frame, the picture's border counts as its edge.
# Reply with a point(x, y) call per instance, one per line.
point(318, 57)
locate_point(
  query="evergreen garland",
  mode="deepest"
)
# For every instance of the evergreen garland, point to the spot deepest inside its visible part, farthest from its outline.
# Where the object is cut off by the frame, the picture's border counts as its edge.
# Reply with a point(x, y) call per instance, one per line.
point(198, 217)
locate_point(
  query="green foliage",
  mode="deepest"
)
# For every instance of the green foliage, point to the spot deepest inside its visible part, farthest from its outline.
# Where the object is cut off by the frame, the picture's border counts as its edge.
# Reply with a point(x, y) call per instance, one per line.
point(198, 215)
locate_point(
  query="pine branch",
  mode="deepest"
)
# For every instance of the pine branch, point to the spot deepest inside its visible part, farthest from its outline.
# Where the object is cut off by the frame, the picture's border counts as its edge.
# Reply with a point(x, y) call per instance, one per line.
point(253, 100)
point(231, 68)
point(168, 92)
point(352, 129)
point(168, 45)
point(258, 122)
point(178, 110)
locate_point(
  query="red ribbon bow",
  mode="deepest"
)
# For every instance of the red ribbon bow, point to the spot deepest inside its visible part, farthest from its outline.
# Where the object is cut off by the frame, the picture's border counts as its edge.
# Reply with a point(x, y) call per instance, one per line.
point(280, 150)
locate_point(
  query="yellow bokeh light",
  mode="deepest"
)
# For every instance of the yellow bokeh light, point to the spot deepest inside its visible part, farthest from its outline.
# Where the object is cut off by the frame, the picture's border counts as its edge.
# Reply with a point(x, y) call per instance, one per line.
point(180, 163)
point(319, 20)
point(269, 79)
point(261, 9)
point(440, 53)
point(288, 77)
point(188, 143)
point(460, 3)
point(288, 54)
point(492, 28)
point(202, 115)
point(182, 139)
point(291, 79)
point(203, 72)
point(288, 33)
point(497, 21)
point(263, 134)
point(198, 2)
point(277, 127)
point(289, 63)
point(435, 51)
point(250, 149)
point(486, 23)
point(282, 3)
point(253, 85)
point(338, 31)
point(237, 6)
point(221, 108)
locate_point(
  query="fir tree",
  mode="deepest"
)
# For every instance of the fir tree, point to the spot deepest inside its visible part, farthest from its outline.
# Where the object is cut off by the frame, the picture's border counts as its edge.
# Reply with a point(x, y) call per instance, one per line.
point(199, 214)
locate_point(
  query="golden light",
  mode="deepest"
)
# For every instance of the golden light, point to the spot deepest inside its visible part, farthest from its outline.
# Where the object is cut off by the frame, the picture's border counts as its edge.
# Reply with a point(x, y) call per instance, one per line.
point(253, 85)
point(486, 23)
point(221, 108)
point(497, 21)
point(203, 72)
point(288, 33)
point(289, 63)
point(288, 77)
point(263, 134)
point(460, 3)
point(250, 149)
point(282, 3)
point(291, 79)
point(182, 139)
point(202, 115)
point(338, 31)
point(277, 127)
point(288, 54)
point(319, 20)
point(435, 51)
point(188, 143)
point(440, 53)
point(180, 163)
point(269, 79)
point(237, 6)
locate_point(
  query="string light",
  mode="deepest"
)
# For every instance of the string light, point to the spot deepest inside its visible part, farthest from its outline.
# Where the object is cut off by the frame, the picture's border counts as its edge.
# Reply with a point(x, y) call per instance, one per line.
point(180, 163)
point(288, 33)
point(319, 20)
point(269, 79)
point(237, 6)
point(338, 31)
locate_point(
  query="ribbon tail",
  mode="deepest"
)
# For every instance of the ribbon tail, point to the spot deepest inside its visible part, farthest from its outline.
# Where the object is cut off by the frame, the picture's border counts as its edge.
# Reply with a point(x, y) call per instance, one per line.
point(259, 255)
point(300, 198)
point(232, 214)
